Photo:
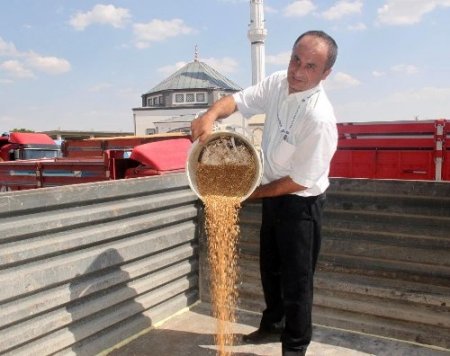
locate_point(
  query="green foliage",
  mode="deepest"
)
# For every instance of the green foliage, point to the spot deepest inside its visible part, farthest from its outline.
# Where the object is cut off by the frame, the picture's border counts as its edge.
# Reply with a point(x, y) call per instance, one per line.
point(21, 130)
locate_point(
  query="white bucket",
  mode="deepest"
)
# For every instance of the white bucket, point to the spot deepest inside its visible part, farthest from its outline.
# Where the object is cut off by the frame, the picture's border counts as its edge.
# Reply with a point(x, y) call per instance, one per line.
point(197, 149)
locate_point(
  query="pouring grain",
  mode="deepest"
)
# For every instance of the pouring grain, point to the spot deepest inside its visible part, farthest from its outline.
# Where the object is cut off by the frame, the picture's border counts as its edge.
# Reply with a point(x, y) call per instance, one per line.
point(222, 188)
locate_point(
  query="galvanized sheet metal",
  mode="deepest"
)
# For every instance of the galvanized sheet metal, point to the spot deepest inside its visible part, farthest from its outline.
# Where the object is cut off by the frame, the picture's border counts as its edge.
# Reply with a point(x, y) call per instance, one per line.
point(384, 266)
point(83, 266)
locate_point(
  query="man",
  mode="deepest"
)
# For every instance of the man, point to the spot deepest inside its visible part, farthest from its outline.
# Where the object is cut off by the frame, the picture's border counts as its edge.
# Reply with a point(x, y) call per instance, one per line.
point(299, 140)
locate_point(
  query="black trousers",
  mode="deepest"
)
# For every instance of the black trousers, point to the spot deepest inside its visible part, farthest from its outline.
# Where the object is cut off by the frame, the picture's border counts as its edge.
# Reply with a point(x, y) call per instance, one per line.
point(290, 239)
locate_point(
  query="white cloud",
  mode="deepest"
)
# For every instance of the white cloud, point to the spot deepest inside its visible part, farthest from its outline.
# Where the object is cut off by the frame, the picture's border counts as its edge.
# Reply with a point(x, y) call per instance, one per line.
point(299, 8)
point(377, 73)
point(170, 69)
point(99, 87)
point(407, 12)
point(159, 30)
point(426, 103)
point(407, 69)
point(343, 8)
point(8, 49)
point(233, 1)
point(16, 69)
point(341, 80)
point(129, 94)
point(425, 94)
point(360, 26)
point(224, 65)
point(101, 14)
point(6, 120)
point(282, 58)
point(49, 64)
point(30, 61)
point(269, 9)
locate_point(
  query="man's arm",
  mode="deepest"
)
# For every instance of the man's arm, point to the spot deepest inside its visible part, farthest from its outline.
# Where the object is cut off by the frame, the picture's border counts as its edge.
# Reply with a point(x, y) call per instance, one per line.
point(276, 188)
point(202, 127)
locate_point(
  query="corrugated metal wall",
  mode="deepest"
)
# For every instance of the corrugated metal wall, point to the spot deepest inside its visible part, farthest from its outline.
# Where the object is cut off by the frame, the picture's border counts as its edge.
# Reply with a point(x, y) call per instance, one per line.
point(385, 262)
point(83, 267)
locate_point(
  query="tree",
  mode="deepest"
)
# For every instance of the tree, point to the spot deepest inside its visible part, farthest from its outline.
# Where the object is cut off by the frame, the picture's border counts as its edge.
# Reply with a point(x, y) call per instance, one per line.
point(21, 130)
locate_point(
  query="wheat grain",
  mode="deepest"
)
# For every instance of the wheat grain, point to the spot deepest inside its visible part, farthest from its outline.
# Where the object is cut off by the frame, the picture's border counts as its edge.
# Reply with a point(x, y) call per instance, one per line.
point(222, 188)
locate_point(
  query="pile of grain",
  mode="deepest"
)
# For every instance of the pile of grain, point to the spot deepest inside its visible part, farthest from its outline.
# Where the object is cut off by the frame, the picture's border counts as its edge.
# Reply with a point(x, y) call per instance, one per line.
point(222, 187)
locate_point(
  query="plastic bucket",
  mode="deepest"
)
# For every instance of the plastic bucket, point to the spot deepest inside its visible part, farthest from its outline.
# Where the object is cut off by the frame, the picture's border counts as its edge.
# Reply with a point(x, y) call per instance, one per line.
point(196, 152)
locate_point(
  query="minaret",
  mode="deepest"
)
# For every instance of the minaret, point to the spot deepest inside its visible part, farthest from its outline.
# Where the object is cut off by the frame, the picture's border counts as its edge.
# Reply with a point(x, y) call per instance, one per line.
point(257, 34)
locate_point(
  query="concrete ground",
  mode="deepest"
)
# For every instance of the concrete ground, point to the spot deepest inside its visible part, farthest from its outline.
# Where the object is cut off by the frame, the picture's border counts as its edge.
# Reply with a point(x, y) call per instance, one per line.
point(191, 333)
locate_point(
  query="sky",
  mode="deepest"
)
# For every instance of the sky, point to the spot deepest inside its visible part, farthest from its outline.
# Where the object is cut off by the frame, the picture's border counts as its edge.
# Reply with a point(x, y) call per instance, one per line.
point(83, 65)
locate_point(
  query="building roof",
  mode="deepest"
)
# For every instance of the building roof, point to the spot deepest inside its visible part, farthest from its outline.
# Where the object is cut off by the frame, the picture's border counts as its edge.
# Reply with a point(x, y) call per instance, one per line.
point(72, 134)
point(178, 118)
point(196, 75)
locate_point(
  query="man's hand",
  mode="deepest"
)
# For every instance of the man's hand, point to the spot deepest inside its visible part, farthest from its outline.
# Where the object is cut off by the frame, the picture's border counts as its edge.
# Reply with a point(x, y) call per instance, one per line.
point(202, 127)
point(276, 188)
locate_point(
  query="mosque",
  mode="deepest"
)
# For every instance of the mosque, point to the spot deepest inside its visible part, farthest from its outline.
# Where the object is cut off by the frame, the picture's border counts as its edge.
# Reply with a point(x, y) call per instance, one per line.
point(171, 105)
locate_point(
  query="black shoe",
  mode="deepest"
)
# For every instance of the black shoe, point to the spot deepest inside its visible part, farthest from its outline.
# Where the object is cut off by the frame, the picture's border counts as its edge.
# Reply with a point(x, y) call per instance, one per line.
point(300, 352)
point(262, 336)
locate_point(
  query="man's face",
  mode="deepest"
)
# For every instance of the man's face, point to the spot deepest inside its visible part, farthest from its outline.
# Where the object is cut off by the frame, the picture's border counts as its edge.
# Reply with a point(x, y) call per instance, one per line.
point(307, 65)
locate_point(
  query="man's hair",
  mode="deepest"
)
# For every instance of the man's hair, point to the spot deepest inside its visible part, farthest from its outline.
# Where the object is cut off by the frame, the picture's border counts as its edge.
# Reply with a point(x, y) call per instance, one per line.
point(332, 46)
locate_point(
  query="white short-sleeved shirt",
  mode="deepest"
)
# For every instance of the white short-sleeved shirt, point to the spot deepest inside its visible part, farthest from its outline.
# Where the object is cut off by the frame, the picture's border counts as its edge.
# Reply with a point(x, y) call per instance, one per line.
point(300, 134)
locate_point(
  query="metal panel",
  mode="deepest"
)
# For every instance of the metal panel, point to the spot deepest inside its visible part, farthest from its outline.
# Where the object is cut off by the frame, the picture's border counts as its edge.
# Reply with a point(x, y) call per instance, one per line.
point(385, 261)
point(391, 150)
point(83, 267)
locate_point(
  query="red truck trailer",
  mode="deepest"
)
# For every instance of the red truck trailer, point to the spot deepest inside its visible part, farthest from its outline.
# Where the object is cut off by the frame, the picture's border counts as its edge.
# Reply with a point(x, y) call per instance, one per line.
point(93, 160)
point(412, 150)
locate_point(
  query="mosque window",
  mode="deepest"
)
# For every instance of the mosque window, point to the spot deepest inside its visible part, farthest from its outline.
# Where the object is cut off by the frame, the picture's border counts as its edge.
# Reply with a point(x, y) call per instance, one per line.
point(155, 100)
point(200, 97)
point(179, 98)
point(190, 98)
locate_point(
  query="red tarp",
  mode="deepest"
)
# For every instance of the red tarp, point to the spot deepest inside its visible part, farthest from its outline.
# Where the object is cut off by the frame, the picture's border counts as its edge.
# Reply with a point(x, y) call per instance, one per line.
point(27, 138)
point(166, 155)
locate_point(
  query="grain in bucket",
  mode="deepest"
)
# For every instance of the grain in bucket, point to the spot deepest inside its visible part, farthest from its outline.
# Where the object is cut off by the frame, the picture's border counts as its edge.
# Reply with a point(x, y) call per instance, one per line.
point(212, 166)
point(223, 172)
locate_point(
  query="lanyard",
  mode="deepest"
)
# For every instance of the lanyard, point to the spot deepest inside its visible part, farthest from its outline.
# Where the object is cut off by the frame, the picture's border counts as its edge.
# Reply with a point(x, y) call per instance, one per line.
point(286, 131)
